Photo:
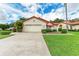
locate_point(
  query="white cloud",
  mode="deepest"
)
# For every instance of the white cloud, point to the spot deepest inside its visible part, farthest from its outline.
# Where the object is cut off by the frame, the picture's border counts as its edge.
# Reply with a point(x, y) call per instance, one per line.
point(32, 10)
point(73, 7)
point(57, 14)
point(2, 15)
point(10, 10)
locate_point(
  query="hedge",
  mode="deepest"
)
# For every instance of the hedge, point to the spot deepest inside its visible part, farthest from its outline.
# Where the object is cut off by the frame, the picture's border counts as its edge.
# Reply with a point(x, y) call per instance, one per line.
point(48, 30)
point(64, 31)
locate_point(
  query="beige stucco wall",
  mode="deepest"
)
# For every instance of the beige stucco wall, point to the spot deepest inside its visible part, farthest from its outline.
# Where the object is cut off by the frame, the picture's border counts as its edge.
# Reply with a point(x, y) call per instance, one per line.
point(69, 27)
point(75, 27)
point(63, 25)
point(54, 27)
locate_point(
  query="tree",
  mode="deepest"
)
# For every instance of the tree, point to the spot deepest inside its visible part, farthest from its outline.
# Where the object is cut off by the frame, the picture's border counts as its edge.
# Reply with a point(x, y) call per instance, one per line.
point(51, 21)
point(4, 26)
point(58, 20)
point(18, 25)
point(22, 19)
point(12, 24)
point(75, 19)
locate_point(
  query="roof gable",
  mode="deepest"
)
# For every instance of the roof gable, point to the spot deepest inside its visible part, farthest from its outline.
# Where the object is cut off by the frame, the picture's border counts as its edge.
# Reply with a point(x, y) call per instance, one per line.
point(38, 18)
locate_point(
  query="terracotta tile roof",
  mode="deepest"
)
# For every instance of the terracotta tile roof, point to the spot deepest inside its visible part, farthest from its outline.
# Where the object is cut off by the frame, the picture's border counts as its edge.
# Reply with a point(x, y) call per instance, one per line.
point(56, 24)
point(72, 22)
point(49, 24)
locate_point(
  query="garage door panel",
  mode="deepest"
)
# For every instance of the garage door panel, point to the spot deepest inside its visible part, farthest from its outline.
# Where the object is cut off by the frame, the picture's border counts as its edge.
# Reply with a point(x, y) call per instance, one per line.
point(32, 28)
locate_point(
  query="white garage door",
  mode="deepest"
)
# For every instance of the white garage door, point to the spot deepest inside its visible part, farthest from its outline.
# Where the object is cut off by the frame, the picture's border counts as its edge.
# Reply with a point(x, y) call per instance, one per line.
point(32, 28)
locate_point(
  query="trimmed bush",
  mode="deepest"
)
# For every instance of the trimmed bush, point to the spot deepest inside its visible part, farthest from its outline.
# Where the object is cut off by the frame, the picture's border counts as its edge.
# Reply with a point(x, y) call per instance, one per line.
point(70, 30)
point(78, 30)
point(59, 29)
point(64, 31)
point(74, 30)
point(44, 31)
point(48, 30)
point(5, 32)
point(54, 30)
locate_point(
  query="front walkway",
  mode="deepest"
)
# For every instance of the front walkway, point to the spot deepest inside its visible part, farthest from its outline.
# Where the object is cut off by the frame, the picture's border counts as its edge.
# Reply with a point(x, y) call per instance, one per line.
point(24, 44)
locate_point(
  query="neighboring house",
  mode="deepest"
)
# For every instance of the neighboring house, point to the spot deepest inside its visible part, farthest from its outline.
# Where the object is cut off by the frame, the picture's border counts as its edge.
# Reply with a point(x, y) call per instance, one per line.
point(73, 25)
point(36, 24)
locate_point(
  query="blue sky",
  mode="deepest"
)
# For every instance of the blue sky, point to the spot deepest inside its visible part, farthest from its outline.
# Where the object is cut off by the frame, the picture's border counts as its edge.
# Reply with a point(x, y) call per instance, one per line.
point(10, 12)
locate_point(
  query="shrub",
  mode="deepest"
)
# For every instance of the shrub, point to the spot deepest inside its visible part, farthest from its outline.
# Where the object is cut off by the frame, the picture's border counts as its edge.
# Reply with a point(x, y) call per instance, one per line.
point(14, 29)
point(54, 30)
point(5, 32)
point(64, 31)
point(70, 30)
point(44, 31)
point(74, 30)
point(48, 30)
point(78, 30)
point(59, 29)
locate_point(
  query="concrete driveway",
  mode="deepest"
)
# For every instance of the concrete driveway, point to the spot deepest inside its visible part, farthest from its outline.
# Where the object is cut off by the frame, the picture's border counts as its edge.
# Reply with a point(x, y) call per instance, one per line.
point(24, 44)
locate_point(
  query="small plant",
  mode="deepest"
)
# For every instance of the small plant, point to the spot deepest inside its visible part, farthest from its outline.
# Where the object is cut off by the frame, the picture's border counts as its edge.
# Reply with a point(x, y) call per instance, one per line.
point(64, 31)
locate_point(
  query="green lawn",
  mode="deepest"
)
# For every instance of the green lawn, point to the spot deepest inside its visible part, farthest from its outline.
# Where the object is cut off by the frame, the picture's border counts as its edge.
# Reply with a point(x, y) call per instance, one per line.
point(63, 45)
point(3, 36)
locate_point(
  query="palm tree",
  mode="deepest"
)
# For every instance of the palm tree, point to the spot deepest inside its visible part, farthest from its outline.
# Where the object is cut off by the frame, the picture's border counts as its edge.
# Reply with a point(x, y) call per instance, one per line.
point(65, 4)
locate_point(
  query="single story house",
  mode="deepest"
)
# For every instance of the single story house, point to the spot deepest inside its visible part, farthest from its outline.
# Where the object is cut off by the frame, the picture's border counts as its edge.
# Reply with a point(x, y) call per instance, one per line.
point(36, 24)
